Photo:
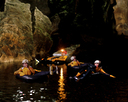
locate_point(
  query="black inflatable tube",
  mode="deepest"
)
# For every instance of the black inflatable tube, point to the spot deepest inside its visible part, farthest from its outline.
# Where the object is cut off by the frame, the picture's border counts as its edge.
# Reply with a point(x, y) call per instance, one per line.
point(78, 67)
point(37, 77)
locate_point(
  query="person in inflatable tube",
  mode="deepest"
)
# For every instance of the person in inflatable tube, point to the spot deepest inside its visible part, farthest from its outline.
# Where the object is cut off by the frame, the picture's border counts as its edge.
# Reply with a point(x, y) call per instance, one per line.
point(74, 62)
point(92, 69)
point(25, 70)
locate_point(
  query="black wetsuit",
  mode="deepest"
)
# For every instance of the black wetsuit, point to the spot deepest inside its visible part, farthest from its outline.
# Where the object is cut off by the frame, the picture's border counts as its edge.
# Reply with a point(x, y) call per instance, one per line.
point(90, 68)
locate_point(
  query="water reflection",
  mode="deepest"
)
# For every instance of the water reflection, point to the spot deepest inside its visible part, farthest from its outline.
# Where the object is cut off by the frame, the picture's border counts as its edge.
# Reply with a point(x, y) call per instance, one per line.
point(57, 88)
point(51, 68)
point(61, 90)
point(30, 95)
point(14, 90)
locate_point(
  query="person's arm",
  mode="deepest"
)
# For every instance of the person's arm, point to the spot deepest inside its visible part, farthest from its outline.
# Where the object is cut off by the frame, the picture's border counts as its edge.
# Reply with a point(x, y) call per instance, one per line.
point(17, 72)
point(102, 71)
point(32, 70)
point(70, 63)
point(78, 62)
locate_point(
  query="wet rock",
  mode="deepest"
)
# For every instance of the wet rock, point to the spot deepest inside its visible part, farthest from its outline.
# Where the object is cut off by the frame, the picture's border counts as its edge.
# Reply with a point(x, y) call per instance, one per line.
point(41, 36)
point(42, 5)
point(55, 22)
point(22, 34)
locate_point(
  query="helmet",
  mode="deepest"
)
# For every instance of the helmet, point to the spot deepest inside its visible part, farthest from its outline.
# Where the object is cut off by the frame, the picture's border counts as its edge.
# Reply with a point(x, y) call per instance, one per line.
point(25, 61)
point(73, 57)
point(97, 61)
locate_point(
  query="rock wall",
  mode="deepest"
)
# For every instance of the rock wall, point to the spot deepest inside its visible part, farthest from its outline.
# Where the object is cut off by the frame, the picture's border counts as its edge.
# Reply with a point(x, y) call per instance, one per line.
point(121, 16)
point(42, 39)
point(42, 5)
point(19, 39)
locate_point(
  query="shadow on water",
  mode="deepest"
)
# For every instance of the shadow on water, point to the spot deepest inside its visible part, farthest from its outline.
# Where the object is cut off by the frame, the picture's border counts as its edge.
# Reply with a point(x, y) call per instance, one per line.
point(59, 88)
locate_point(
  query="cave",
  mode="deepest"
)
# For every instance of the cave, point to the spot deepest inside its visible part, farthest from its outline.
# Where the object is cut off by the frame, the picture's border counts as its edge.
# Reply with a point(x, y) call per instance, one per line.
point(2, 5)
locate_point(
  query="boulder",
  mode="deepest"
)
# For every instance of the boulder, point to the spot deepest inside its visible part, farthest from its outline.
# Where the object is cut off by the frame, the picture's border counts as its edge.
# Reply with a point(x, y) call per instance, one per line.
point(20, 35)
point(41, 36)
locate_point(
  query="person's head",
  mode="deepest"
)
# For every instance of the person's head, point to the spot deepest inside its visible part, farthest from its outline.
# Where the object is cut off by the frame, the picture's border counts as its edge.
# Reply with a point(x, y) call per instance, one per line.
point(73, 58)
point(25, 63)
point(64, 52)
point(97, 63)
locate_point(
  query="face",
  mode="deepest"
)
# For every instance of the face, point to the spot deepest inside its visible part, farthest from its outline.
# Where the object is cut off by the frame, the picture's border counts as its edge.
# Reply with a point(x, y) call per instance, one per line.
point(25, 64)
point(74, 59)
point(96, 64)
point(63, 54)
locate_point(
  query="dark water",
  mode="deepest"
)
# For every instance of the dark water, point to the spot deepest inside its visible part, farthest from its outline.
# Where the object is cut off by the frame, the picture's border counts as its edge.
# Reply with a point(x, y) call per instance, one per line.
point(59, 88)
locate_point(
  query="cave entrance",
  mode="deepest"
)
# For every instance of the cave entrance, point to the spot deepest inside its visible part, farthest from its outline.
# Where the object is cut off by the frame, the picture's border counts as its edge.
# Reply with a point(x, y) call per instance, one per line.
point(2, 3)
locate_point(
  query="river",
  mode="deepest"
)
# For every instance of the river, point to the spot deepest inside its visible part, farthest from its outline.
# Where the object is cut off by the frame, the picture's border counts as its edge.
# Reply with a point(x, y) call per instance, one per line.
point(59, 88)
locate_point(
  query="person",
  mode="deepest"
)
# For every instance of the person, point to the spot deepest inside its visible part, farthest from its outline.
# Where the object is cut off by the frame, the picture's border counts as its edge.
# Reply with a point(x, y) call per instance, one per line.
point(93, 69)
point(99, 69)
point(63, 52)
point(63, 56)
point(74, 62)
point(25, 70)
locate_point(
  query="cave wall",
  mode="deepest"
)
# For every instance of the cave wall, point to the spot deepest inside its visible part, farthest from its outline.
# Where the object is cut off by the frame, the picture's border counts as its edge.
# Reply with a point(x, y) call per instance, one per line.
point(25, 29)
point(121, 17)
point(24, 33)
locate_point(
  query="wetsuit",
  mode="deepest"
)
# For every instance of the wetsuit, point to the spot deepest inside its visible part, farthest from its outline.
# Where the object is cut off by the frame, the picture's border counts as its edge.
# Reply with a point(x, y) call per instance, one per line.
point(74, 63)
point(25, 71)
point(92, 70)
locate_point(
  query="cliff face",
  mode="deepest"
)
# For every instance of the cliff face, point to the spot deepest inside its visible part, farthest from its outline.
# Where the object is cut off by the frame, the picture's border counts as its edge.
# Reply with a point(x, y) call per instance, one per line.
point(121, 16)
point(25, 30)
point(41, 36)
point(23, 33)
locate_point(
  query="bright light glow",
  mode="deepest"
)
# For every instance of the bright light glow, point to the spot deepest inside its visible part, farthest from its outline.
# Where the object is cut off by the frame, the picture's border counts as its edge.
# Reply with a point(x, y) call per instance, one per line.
point(61, 90)
point(62, 50)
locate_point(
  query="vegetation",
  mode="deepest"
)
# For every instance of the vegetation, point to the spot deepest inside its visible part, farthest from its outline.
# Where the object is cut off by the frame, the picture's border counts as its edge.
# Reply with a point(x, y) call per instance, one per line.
point(83, 16)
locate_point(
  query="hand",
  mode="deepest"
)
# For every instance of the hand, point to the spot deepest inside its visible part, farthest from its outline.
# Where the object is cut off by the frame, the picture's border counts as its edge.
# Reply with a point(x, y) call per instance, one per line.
point(112, 76)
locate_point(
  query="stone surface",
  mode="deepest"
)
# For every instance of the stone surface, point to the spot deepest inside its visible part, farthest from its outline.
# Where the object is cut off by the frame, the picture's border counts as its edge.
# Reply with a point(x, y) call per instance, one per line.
point(41, 36)
point(42, 5)
point(121, 16)
point(17, 32)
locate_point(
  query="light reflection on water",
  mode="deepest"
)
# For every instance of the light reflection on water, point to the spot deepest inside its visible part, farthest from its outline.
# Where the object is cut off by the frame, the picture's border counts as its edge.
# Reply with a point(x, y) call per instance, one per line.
point(61, 90)
point(58, 89)
point(31, 94)
point(14, 90)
